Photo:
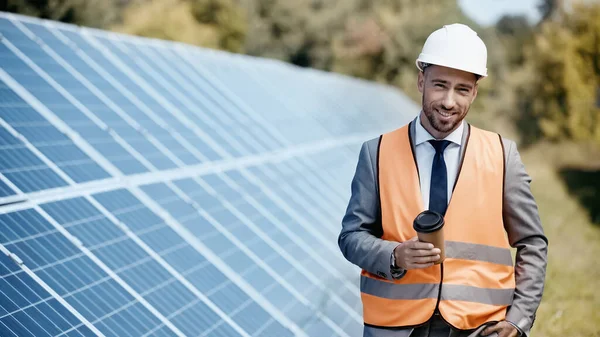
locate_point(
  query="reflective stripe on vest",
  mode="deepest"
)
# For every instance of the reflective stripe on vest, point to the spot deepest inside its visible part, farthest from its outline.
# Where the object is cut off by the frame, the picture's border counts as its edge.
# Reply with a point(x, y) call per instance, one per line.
point(478, 274)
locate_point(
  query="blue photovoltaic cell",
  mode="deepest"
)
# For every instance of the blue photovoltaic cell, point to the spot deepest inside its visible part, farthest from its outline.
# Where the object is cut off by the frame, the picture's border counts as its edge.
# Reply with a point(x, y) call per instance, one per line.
point(277, 186)
point(310, 238)
point(128, 105)
point(74, 276)
point(258, 277)
point(281, 186)
point(56, 146)
point(252, 92)
point(294, 276)
point(190, 263)
point(280, 178)
point(184, 130)
point(99, 138)
point(5, 191)
point(23, 168)
point(262, 133)
point(134, 265)
point(293, 248)
point(306, 106)
point(82, 94)
point(333, 255)
point(28, 310)
point(210, 117)
point(312, 197)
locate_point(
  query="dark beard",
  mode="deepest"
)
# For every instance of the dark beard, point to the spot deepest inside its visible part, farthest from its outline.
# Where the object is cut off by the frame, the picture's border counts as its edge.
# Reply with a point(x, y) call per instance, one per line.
point(434, 122)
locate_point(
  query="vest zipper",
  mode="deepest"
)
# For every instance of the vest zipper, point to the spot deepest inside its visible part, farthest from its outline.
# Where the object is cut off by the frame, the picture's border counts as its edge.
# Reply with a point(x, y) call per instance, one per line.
point(439, 297)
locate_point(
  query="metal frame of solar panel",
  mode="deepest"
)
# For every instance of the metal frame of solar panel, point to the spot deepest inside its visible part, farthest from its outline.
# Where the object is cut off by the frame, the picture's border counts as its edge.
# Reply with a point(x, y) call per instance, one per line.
point(151, 188)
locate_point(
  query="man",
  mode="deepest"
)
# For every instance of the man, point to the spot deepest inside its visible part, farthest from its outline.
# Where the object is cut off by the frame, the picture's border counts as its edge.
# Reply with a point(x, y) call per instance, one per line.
point(476, 180)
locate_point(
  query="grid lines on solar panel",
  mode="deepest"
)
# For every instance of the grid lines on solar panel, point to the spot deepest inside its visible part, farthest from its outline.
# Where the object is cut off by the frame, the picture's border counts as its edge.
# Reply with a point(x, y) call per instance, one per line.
point(85, 95)
point(74, 276)
point(135, 266)
point(220, 115)
point(73, 113)
point(238, 81)
point(21, 166)
point(316, 104)
point(304, 197)
point(190, 263)
point(263, 261)
point(295, 240)
point(289, 197)
point(128, 96)
point(28, 310)
point(259, 127)
point(5, 190)
point(219, 104)
point(307, 282)
point(188, 117)
point(55, 145)
point(311, 236)
point(261, 212)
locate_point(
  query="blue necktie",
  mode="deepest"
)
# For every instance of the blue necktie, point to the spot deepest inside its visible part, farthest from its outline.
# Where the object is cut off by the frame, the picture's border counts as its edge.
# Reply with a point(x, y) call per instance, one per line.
point(438, 191)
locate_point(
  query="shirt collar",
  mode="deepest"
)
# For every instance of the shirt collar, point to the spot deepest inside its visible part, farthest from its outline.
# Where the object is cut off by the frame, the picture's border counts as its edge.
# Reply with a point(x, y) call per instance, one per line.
point(422, 135)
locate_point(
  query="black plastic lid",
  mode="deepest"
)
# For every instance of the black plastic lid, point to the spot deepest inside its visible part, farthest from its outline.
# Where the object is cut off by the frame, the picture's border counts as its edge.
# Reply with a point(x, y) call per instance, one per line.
point(428, 221)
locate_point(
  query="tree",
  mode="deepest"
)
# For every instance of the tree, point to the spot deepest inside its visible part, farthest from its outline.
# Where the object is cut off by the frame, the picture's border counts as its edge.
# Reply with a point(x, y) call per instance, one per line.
point(561, 100)
point(218, 24)
point(91, 13)
point(515, 32)
point(550, 8)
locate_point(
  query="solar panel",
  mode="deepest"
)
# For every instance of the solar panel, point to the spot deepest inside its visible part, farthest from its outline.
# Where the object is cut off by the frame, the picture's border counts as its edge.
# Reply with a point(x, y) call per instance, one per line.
point(151, 188)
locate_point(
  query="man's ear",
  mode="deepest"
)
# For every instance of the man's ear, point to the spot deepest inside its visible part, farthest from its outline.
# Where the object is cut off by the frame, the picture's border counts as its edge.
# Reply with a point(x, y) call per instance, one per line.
point(421, 81)
point(475, 92)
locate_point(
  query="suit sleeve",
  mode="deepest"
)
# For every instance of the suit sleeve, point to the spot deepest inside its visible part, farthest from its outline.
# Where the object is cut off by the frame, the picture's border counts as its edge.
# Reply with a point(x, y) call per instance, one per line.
point(360, 238)
point(525, 233)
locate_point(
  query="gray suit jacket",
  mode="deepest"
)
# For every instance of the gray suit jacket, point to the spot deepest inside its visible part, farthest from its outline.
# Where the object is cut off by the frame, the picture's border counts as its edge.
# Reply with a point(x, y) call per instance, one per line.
point(360, 238)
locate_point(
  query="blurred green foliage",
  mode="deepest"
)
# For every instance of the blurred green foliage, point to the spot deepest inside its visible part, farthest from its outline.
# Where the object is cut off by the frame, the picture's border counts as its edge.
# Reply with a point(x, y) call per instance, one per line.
point(91, 13)
point(544, 78)
point(561, 99)
point(219, 24)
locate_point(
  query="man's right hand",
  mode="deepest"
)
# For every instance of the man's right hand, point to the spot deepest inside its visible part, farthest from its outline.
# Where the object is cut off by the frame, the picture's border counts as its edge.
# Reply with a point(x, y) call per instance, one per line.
point(413, 254)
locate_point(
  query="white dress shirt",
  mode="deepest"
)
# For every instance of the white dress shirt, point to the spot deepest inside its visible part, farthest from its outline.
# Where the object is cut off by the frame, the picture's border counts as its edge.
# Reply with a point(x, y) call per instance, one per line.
point(425, 152)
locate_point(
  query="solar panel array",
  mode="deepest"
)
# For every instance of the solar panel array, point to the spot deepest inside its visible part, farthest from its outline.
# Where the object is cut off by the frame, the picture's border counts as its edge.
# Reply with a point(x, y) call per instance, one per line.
point(150, 188)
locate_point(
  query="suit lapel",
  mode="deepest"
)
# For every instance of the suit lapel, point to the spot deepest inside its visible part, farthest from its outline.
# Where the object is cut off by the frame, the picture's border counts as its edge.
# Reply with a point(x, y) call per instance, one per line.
point(412, 130)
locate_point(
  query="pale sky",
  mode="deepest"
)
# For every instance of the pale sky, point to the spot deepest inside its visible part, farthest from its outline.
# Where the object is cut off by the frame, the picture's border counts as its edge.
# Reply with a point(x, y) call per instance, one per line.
point(487, 12)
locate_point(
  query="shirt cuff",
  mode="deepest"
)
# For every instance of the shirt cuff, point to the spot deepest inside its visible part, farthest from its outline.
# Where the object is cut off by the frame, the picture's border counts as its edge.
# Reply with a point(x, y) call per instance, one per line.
point(521, 333)
point(516, 318)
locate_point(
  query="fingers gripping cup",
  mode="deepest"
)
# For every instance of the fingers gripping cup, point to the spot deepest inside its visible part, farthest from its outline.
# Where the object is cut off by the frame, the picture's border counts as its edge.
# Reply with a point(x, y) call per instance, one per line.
point(429, 226)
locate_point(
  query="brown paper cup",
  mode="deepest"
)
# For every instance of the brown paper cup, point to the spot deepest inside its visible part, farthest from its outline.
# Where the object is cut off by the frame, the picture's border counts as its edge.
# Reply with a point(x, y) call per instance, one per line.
point(429, 226)
point(437, 239)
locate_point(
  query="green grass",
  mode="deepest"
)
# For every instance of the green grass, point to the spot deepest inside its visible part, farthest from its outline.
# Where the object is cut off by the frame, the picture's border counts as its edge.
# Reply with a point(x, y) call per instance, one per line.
point(571, 301)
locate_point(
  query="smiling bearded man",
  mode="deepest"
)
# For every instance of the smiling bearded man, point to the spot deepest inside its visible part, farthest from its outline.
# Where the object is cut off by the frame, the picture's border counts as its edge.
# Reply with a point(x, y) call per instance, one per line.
point(473, 188)
point(447, 97)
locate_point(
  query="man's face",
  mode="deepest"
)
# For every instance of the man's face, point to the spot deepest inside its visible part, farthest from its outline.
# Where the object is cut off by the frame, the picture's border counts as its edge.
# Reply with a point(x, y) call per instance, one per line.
point(447, 97)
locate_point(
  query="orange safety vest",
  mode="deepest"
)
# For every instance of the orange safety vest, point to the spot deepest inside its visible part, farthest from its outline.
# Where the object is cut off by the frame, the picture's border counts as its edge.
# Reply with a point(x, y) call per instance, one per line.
point(475, 284)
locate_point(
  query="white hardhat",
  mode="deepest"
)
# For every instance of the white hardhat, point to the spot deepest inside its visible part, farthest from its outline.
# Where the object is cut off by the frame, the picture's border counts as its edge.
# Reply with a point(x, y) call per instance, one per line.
point(455, 46)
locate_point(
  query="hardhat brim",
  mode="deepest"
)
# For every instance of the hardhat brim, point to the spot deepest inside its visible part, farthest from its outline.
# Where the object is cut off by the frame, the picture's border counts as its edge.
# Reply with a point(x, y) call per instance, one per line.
point(434, 61)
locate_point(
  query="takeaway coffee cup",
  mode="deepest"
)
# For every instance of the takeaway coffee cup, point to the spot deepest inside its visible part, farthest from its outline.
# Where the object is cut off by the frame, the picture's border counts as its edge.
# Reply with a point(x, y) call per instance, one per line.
point(430, 228)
